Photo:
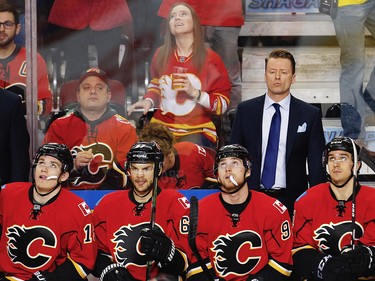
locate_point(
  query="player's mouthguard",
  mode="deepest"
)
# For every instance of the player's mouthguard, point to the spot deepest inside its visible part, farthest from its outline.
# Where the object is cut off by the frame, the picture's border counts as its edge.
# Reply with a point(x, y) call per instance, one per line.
point(233, 180)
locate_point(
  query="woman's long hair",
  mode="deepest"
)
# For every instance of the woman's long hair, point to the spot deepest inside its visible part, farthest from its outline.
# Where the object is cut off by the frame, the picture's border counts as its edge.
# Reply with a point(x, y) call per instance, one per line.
point(169, 46)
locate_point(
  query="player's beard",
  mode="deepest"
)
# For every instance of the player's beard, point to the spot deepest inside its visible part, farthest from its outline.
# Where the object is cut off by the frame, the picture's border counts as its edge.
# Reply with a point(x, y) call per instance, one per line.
point(7, 39)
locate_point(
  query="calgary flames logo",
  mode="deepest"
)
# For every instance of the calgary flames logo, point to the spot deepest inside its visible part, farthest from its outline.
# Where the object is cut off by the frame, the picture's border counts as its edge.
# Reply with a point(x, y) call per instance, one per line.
point(30, 246)
point(238, 253)
point(96, 172)
point(127, 249)
point(333, 237)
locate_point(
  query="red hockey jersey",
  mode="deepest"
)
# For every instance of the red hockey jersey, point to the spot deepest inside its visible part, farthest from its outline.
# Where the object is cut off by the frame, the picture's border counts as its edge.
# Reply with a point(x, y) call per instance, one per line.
point(319, 223)
point(109, 138)
point(180, 113)
point(240, 246)
point(193, 166)
point(118, 221)
point(97, 14)
point(63, 229)
point(13, 78)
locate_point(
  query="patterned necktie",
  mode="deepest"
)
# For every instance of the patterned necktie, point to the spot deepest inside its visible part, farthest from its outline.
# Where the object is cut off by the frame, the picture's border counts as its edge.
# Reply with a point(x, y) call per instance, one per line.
point(269, 168)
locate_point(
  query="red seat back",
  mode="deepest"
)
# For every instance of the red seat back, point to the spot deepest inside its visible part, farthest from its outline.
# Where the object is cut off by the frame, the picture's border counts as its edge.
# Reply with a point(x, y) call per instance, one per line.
point(68, 95)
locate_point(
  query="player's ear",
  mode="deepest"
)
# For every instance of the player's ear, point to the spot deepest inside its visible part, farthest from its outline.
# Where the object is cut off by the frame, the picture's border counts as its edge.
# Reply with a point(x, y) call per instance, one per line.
point(247, 174)
point(64, 176)
point(359, 165)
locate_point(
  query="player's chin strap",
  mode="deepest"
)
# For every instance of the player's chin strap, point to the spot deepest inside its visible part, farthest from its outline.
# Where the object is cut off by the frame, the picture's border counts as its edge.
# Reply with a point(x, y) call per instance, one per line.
point(354, 171)
point(235, 183)
point(341, 185)
point(45, 194)
point(36, 190)
point(142, 196)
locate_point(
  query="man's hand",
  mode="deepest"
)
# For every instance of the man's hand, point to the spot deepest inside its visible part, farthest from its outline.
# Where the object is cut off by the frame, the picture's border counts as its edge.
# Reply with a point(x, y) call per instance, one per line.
point(330, 268)
point(157, 245)
point(360, 260)
point(83, 159)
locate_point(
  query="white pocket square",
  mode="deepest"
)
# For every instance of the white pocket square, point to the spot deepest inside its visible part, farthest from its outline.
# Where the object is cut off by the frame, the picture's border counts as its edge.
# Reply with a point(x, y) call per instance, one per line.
point(302, 128)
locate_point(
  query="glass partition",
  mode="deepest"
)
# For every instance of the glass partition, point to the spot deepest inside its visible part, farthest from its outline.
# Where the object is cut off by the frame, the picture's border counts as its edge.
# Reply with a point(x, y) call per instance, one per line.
point(122, 40)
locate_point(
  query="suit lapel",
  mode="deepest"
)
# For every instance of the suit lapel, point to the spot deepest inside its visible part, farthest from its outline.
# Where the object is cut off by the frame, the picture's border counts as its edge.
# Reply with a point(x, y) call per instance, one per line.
point(258, 119)
point(294, 114)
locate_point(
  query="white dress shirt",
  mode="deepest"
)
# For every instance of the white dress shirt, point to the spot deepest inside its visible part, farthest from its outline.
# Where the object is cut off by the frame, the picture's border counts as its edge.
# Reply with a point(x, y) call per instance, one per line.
point(268, 112)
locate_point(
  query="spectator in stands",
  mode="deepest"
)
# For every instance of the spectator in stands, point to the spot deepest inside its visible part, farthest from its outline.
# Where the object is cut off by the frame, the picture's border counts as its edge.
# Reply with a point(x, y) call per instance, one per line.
point(188, 106)
point(299, 139)
point(241, 234)
point(97, 23)
point(221, 22)
point(14, 139)
point(350, 22)
point(98, 137)
point(13, 61)
point(324, 246)
point(186, 165)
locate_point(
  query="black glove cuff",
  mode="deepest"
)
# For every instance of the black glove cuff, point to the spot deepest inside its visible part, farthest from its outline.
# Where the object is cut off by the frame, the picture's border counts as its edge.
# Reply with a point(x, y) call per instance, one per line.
point(110, 268)
point(319, 267)
point(171, 254)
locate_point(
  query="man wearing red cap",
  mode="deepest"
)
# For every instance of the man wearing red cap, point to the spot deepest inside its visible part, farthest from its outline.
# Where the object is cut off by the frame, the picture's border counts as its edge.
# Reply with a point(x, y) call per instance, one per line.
point(98, 137)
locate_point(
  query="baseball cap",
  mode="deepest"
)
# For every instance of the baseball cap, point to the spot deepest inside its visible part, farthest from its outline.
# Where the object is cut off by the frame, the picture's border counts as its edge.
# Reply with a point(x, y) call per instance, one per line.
point(94, 72)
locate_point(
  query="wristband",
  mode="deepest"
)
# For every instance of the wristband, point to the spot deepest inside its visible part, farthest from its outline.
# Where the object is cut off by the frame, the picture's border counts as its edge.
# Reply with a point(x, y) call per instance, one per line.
point(110, 268)
point(151, 101)
point(199, 95)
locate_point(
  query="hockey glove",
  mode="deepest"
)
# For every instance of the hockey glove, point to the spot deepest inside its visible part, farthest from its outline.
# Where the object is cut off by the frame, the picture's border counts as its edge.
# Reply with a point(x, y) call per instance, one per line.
point(330, 268)
point(157, 245)
point(116, 272)
point(2, 277)
point(165, 277)
point(43, 276)
point(360, 260)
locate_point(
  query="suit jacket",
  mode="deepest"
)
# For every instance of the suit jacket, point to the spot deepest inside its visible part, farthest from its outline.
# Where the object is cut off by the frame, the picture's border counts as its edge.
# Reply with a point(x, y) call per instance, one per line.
point(14, 139)
point(301, 145)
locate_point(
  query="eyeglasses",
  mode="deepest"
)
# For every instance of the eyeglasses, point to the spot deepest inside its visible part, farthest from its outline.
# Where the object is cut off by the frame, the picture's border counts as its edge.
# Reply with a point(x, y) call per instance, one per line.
point(7, 24)
point(338, 159)
point(50, 165)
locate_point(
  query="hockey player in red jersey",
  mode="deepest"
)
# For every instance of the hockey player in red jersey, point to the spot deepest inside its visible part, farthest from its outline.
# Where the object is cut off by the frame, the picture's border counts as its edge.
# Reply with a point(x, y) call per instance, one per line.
point(98, 137)
point(47, 231)
point(13, 61)
point(186, 164)
point(326, 217)
point(242, 234)
point(127, 243)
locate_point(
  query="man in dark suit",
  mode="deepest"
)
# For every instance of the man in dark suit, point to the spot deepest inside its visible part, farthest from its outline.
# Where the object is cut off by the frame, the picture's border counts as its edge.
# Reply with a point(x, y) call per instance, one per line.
point(300, 133)
point(14, 139)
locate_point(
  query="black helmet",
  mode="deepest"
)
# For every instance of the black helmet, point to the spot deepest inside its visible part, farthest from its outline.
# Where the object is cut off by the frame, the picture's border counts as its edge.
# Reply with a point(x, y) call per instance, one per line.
point(340, 143)
point(233, 150)
point(57, 150)
point(145, 152)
